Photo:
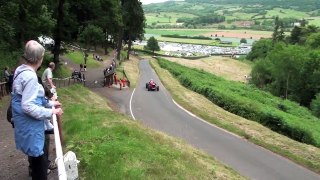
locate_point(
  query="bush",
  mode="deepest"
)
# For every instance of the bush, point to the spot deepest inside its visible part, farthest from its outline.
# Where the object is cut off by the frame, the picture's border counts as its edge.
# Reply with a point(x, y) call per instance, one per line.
point(9, 60)
point(315, 106)
point(243, 40)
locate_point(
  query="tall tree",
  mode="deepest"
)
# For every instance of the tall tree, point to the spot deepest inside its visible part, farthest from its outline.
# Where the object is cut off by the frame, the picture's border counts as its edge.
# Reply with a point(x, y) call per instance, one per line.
point(58, 31)
point(286, 63)
point(134, 22)
point(110, 20)
point(309, 75)
point(24, 20)
point(260, 49)
point(295, 35)
point(313, 40)
point(278, 32)
point(152, 44)
point(91, 36)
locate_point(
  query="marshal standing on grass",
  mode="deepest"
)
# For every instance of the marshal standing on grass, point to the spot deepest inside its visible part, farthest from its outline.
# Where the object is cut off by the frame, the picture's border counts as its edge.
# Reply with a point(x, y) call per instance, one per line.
point(31, 109)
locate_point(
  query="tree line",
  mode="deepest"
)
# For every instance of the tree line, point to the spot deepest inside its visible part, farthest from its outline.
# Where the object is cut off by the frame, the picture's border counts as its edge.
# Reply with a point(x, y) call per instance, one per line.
point(108, 23)
point(289, 66)
point(208, 19)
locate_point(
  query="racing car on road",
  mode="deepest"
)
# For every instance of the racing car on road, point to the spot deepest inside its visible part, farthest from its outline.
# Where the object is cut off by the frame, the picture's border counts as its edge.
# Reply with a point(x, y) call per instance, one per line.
point(152, 86)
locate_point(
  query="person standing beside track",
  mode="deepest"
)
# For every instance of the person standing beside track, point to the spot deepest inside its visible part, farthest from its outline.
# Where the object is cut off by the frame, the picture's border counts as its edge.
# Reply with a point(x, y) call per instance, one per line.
point(30, 109)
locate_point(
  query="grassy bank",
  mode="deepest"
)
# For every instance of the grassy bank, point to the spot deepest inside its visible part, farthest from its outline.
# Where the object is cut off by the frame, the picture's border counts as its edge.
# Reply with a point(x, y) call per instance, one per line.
point(131, 67)
point(225, 67)
point(111, 146)
point(77, 58)
point(306, 155)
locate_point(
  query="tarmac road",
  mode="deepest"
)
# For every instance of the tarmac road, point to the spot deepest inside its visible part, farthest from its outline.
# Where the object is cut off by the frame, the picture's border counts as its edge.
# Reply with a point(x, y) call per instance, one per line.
point(157, 110)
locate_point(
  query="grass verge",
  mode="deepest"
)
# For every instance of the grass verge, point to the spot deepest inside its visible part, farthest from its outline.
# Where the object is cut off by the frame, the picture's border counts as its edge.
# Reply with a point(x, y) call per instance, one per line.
point(131, 67)
point(303, 154)
point(77, 58)
point(225, 67)
point(111, 146)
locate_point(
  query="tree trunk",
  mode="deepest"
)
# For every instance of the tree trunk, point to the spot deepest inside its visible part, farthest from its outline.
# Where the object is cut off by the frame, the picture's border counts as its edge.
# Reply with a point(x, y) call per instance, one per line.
point(129, 47)
point(287, 86)
point(119, 44)
point(106, 43)
point(58, 33)
point(22, 19)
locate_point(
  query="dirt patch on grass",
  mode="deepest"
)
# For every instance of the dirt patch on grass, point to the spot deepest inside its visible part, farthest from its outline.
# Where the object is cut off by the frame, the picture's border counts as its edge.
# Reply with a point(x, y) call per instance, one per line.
point(225, 67)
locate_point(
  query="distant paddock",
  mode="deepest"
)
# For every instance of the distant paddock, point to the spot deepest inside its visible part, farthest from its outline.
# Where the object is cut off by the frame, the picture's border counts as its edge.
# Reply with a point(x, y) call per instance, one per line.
point(239, 34)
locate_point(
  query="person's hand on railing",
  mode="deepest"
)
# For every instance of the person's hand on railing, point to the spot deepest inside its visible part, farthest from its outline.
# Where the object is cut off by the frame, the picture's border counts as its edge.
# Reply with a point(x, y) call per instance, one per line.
point(57, 111)
point(54, 97)
point(57, 104)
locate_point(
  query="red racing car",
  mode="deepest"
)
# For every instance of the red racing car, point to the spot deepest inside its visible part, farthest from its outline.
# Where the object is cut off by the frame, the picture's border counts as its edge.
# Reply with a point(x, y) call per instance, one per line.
point(152, 86)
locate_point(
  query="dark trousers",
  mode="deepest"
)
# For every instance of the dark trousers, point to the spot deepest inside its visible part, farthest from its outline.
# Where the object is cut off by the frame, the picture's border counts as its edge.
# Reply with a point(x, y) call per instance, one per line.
point(39, 166)
point(8, 87)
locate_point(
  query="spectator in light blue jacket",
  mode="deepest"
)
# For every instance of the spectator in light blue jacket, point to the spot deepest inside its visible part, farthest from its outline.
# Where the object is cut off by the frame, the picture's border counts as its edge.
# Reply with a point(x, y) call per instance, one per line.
point(30, 109)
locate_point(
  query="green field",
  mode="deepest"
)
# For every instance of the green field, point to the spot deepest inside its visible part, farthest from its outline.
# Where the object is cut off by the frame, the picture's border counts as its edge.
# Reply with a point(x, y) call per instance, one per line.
point(197, 32)
point(197, 7)
point(286, 13)
point(314, 20)
point(182, 32)
point(165, 18)
point(240, 16)
point(231, 12)
point(195, 41)
point(77, 58)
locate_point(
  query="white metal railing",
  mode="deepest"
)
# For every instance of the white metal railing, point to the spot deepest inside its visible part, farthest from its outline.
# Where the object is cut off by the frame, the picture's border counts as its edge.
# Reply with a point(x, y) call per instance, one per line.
point(59, 160)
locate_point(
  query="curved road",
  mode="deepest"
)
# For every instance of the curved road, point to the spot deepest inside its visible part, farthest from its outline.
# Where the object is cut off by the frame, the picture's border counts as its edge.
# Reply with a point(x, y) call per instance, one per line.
point(157, 110)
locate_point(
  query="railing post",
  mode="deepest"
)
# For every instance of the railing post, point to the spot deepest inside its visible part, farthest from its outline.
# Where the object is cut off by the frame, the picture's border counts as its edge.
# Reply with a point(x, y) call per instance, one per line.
point(2, 89)
point(61, 168)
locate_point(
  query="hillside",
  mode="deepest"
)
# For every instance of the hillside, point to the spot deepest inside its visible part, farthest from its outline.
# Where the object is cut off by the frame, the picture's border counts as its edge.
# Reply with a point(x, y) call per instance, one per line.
point(231, 14)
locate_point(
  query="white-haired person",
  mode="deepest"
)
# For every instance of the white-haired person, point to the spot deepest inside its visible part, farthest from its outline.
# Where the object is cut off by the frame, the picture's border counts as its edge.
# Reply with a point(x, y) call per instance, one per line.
point(30, 109)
